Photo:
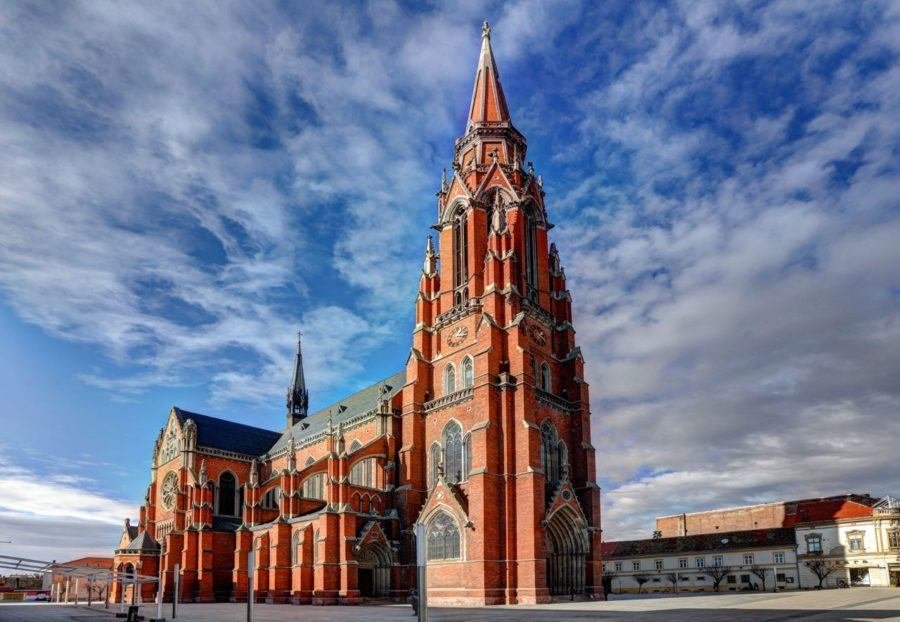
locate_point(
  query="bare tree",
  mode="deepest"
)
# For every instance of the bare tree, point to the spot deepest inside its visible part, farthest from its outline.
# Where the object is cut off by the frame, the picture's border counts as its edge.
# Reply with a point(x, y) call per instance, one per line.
point(641, 579)
point(760, 572)
point(823, 568)
point(98, 588)
point(672, 577)
point(717, 574)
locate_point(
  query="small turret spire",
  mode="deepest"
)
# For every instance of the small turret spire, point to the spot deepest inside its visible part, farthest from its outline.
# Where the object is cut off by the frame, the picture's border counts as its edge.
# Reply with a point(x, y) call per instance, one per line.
point(488, 102)
point(297, 395)
point(430, 267)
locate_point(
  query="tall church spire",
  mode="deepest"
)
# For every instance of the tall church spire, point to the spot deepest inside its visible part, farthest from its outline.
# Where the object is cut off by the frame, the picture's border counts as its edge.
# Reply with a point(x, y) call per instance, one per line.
point(488, 102)
point(297, 395)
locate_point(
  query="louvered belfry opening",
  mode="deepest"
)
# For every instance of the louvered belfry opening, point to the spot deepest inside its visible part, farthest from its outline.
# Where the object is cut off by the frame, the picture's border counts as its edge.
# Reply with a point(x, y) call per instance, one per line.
point(567, 549)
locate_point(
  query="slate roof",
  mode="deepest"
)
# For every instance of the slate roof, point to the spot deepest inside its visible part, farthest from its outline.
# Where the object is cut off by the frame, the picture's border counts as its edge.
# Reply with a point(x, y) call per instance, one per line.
point(228, 435)
point(142, 543)
point(226, 523)
point(359, 403)
point(707, 542)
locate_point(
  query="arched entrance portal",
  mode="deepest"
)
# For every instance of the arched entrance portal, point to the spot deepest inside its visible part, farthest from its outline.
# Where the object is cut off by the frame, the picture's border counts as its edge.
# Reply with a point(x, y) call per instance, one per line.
point(374, 571)
point(567, 548)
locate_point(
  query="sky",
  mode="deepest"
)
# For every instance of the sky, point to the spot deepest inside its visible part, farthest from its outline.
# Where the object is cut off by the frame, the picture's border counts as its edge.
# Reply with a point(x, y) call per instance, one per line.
point(183, 186)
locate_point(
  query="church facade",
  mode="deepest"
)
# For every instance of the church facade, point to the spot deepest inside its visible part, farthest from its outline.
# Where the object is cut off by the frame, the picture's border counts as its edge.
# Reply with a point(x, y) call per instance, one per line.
point(484, 437)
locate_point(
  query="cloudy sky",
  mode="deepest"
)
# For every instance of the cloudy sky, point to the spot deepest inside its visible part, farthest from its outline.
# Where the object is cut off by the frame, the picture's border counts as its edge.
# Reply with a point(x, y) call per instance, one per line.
point(183, 186)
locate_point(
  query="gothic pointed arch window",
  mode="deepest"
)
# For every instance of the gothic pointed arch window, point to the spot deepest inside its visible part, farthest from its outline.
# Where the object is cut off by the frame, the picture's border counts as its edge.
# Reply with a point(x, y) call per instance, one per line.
point(550, 454)
point(227, 494)
point(434, 463)
point(467, 457)
point(443, 537)
point(467, 368)
point(545, 378)
point(313, 487)
point(310, 461)
point(531, 256)
point(362, 473)
point(563, 455)
point(451, 439)
point(460, 253)
point(449, 379)
point(170, 449)
point(295, 548)
point(271, 498)
point(355, 445)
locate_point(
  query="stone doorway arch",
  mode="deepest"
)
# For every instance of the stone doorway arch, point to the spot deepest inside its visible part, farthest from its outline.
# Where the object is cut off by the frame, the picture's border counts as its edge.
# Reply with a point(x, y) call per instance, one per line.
point(374, 570)
point(567, 549)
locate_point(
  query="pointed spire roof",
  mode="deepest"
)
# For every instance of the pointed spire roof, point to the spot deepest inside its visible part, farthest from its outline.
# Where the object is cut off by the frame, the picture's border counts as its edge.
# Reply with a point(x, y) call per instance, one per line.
point(297, 396)
point(488, 101)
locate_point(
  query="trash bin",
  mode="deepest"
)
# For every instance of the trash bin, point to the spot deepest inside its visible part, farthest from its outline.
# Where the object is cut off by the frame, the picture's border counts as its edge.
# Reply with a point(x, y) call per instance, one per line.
point(132, 614)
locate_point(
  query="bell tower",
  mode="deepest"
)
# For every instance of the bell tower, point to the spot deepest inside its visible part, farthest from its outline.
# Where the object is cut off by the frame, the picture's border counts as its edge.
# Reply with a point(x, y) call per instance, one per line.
point(496, 422)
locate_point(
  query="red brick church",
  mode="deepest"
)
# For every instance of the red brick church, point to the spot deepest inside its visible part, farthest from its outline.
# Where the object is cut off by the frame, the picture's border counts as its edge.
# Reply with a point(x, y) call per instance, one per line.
point(484, 437)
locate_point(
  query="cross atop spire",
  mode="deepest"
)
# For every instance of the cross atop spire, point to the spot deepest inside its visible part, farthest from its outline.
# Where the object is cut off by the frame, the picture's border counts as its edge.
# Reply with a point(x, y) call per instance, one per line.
point(488, 102)
point(297, 395)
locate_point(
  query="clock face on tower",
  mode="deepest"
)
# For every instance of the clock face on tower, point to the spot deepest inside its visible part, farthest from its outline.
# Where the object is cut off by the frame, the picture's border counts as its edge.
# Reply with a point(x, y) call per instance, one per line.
point(169, 489)
point(458, 335)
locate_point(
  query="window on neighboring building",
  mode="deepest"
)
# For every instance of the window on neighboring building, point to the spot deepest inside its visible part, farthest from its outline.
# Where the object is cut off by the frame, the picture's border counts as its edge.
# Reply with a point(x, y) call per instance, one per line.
point(748, 559)
point(270, 499)
point(745, 578)
point(314, 486)
point(443, 538)
point(618, 566)
point(449, 379)
point(468, 372)
point(894, 539)
point(780, 578)
point(700, 562)
point(635, 565)
point(227, 494)
point(683, 563)
point(731, 579)
point(659, 564)
point(814, 543)
point(453, 452)
point(434, 463)
point(855, 541)
point(717, 560)
point(362, 473)
point(778, 558)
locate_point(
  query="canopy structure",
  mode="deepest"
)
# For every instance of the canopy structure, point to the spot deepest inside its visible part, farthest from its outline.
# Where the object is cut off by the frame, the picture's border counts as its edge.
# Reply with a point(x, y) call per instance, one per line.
point(37, 566)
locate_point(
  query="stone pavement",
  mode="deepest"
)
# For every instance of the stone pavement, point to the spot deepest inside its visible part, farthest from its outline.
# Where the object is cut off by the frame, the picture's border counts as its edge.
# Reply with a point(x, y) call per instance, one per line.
point(849, 605)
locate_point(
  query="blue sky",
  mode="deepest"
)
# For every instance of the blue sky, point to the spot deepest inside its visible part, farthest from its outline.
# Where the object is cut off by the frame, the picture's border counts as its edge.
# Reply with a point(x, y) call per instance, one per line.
point(183, 186)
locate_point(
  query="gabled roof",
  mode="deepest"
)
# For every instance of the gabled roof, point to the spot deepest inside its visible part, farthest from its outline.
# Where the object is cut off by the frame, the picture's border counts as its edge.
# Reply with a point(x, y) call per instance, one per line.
point(142, 543)
point(228, 435)
point(707, 542)
point(343, 410)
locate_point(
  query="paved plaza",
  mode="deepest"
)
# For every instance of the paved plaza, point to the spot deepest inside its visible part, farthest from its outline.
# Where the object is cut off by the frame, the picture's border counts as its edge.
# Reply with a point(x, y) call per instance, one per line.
point(856, 605)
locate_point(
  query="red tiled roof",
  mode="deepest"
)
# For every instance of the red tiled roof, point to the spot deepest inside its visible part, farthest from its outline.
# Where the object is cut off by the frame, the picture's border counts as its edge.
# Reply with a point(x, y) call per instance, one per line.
point(832, 508)
point(93, 562)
